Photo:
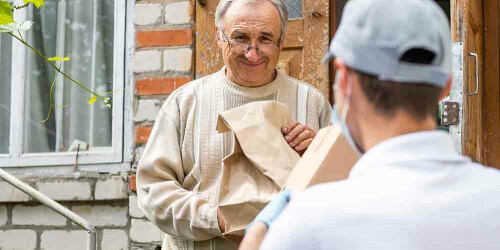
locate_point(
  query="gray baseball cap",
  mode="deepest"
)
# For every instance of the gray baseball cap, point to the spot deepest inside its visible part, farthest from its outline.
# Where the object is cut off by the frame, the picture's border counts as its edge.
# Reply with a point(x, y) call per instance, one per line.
point(374, 35)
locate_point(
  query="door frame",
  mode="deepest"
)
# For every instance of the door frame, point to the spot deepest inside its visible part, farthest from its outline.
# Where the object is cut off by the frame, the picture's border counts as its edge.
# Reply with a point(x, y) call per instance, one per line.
point(336, 7)
point(476, 24)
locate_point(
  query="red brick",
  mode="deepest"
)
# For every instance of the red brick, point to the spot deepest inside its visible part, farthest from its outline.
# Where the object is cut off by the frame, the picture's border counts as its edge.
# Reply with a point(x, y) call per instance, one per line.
point(142, 134)
point(133, 185)
point(161, 38)
point(160, 86)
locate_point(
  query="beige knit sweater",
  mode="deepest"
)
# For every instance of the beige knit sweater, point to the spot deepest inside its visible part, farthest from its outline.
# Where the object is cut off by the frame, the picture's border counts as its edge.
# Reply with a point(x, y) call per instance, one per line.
point(178, 174)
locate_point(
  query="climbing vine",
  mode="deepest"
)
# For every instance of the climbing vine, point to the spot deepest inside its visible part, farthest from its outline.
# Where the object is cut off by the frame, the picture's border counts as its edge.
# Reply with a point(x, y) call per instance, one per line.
point(15, 29)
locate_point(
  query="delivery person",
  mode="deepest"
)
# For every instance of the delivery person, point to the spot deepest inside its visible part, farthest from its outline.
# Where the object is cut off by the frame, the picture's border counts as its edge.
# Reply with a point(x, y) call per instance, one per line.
point(410, 189)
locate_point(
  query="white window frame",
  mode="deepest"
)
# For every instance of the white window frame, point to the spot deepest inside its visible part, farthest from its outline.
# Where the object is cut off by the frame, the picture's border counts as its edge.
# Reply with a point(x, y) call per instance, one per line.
point(110, 155)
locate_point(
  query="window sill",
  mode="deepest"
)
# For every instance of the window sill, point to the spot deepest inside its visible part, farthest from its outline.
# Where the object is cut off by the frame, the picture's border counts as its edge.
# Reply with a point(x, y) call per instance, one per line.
point(64, 184)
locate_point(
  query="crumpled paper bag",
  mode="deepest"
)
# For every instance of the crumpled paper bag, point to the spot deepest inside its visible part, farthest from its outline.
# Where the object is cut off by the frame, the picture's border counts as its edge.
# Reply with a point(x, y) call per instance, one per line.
point(259, 165)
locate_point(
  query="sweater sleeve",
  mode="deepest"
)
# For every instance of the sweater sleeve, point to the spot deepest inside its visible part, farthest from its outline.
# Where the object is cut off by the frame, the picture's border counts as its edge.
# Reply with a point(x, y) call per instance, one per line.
point(161, 197)
point(321, 108)
point(325, 112)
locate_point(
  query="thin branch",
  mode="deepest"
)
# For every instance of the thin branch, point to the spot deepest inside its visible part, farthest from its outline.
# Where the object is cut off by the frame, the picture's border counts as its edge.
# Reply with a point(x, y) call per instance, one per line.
point(21, 6)
point(20, 36)
point(50, 96)
point(55, 67)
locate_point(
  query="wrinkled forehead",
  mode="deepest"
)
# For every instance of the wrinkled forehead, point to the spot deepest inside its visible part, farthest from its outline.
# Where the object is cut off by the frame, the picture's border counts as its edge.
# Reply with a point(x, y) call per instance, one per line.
point(252, 16)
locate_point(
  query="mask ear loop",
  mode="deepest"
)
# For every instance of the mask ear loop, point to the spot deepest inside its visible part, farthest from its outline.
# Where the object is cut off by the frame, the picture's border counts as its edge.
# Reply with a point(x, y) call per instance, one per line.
point(347, 101)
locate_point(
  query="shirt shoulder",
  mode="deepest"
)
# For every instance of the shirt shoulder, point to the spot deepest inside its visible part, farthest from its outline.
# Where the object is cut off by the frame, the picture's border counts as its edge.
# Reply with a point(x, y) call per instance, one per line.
point(317, 106)
point(314, 92)
point(184, 99)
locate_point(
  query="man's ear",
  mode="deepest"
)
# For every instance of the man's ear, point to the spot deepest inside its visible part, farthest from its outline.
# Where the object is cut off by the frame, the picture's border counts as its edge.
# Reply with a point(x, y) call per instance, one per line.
point(447, 88)
point(341, 73)
point(218, 37)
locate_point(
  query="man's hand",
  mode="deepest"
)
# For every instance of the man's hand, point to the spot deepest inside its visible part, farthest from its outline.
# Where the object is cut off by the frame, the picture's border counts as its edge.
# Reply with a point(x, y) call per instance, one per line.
point(222, 227)
point(298, 136)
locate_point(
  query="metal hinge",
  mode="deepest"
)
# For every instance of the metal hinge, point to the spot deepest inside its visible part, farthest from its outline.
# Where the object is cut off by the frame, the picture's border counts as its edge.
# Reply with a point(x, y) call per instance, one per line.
point(451, 113)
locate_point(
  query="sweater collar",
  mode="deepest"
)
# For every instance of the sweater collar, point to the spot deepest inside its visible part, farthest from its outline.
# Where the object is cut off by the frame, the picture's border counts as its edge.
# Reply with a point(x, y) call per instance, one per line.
point(256, 92)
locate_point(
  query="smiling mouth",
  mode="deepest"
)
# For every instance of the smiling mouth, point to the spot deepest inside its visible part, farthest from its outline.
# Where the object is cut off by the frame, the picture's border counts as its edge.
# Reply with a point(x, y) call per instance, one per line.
point(250, 64)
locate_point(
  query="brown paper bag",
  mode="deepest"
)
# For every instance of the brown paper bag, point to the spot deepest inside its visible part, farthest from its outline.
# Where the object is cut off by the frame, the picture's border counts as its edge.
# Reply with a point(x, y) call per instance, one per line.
point(259, 165)
point(328, 158)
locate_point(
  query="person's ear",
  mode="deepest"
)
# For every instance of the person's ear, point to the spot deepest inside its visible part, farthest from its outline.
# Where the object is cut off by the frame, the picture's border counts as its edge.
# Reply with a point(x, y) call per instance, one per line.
point(341, 72)
point(218, 37)
point(447, 88)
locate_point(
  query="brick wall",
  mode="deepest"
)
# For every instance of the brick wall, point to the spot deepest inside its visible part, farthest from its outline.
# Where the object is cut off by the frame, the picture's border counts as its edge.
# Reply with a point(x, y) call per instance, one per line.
point(101, 199)
point(162, 62)
point(104, 200)
point(163, 59)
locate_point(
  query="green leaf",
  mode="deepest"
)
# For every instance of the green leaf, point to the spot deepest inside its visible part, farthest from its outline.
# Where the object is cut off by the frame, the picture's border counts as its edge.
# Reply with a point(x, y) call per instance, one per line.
point(5, 13)
point(92, 100)
point(37, 3)
point(59, 59)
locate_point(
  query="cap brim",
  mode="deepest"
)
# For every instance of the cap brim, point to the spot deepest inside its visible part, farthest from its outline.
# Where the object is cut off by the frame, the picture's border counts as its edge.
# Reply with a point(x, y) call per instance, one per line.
point(328, 57)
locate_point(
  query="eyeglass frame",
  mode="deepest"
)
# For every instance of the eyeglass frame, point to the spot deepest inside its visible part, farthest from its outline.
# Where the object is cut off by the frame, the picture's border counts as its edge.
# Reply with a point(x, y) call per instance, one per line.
point(228, 40)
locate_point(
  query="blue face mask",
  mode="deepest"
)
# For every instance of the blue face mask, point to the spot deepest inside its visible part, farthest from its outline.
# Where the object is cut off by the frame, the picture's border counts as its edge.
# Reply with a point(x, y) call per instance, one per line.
point(335, 119)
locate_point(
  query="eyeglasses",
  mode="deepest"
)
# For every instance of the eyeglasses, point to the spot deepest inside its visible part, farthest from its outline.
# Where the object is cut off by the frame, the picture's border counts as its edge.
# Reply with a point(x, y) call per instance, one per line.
point(241, 45)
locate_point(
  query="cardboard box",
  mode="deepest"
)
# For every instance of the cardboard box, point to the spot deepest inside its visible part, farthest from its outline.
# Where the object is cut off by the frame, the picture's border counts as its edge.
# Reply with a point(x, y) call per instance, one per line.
point(328, 158)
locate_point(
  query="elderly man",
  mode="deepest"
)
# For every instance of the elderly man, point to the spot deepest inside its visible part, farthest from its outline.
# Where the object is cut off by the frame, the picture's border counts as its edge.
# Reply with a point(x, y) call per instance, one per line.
point(410, 189)
point(179, 171)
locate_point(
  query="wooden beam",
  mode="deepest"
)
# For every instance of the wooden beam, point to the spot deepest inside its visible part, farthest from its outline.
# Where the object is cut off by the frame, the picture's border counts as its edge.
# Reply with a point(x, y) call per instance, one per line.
point(336, 8)
point(331, 67)
point(294, 36)
point(316, 16)
point(457, 20)
point(467, 26)
point(491, 100)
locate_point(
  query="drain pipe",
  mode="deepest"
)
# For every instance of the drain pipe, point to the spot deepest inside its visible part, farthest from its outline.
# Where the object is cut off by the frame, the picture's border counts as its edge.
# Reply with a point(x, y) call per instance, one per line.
point(35, 194)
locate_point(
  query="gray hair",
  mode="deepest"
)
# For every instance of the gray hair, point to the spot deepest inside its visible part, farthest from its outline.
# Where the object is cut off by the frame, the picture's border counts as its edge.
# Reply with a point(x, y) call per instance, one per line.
point(279, 4)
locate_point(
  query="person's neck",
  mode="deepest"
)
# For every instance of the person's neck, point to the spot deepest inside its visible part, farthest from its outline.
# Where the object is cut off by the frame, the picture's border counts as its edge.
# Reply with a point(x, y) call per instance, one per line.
point(379, 129)
point(243, 83)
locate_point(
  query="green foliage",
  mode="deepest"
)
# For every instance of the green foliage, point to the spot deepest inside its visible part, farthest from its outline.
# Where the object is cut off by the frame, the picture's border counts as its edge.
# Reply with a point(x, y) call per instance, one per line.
point(37, 3)
point(5, 13)
point(92, 100)
point(59, 59)
point(8, 25)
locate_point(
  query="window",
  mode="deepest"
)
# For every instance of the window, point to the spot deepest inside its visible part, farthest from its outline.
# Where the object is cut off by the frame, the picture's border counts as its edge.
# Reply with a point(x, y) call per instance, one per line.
point(5, 69)
point(92, 34)
point(294, 8)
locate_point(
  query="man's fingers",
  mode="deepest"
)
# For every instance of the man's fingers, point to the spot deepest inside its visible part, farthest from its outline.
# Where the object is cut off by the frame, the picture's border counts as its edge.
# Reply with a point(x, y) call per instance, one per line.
point(234, 238)
point(294, 132)
point(289, 127)
point(222, 225)
point(303, 145)
point(304, 135)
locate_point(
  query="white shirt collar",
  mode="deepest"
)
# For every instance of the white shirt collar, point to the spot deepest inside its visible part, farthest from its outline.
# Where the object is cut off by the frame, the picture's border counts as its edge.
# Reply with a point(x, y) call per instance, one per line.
point(408, 149)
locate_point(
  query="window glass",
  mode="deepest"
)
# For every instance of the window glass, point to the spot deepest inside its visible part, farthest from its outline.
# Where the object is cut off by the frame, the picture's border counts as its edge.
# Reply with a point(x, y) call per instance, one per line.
point(5, 73)
point(294, 8)
point(83, 31)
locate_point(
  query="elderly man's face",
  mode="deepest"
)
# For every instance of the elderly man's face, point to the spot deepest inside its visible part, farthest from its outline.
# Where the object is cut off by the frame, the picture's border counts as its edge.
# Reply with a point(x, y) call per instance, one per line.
point(257, 24)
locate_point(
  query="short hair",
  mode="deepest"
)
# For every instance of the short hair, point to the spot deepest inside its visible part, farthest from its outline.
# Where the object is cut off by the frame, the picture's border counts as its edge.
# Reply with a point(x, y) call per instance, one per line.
point(224, 5)
point(420, 100)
